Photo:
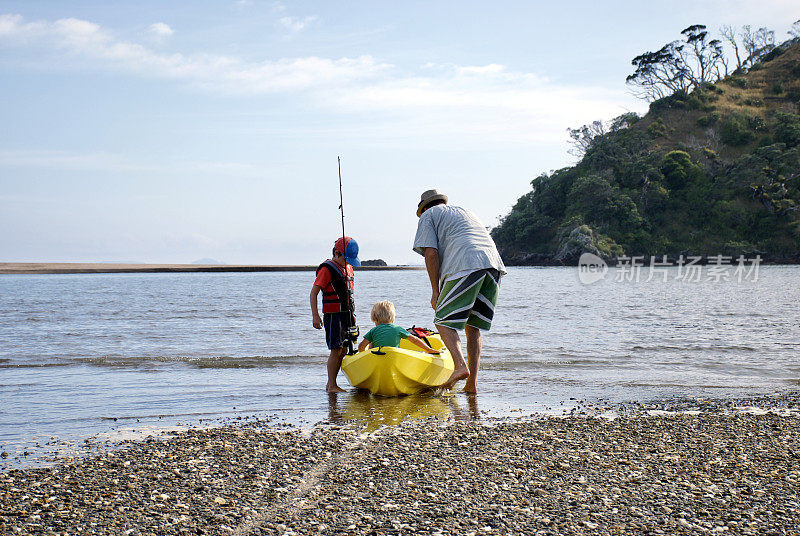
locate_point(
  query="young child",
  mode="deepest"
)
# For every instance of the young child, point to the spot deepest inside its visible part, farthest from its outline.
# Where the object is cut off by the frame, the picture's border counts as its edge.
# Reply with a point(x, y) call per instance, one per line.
point(385, 333)
point(335, 280)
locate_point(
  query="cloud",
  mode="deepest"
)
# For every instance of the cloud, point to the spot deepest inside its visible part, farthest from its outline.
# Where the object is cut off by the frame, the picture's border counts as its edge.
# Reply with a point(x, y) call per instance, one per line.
point(14, 27)
point(160, 30)
point(486, 100)
point(476, 100)
point(64, 160)
point(88, 41)
point(296, 24)
point(492, 68)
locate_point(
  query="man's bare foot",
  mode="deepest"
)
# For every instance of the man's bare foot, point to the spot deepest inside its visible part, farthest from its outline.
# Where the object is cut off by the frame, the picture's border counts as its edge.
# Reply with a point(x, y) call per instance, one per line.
point(470, 389)
point(457, 375)
point(334, 389)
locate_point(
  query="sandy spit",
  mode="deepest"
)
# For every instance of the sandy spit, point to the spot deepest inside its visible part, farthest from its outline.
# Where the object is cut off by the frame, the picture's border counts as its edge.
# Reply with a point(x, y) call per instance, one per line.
point(111, 268)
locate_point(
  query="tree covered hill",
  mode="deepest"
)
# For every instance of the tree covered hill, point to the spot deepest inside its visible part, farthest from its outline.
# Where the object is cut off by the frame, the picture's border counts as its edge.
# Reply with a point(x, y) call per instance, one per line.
point(712, 168)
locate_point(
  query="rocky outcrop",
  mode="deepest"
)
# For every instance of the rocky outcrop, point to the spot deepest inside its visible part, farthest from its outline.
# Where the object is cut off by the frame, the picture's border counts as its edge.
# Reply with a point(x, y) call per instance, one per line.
point(518, 258)
point(572, 245)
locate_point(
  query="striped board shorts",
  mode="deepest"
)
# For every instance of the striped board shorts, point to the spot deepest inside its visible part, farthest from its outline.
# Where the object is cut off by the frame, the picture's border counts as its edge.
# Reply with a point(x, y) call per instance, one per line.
point(468, 300)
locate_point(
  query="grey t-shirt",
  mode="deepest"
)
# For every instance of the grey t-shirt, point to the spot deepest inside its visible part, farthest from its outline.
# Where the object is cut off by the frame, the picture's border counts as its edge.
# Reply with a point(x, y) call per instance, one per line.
point(463, 242)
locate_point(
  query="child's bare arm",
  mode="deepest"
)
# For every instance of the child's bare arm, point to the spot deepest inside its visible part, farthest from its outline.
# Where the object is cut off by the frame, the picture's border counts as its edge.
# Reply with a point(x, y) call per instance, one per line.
point(419, 342)
point(316, 321)
point(363, 345)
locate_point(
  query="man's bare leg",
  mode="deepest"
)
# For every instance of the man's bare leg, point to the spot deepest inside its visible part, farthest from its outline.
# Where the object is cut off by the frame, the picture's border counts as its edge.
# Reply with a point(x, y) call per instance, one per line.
point(453, 342)
point(474, 345)
point(334, 364)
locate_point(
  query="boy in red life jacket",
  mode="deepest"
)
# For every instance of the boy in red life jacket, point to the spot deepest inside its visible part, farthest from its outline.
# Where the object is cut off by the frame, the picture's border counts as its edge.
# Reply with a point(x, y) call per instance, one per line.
point(335, 280)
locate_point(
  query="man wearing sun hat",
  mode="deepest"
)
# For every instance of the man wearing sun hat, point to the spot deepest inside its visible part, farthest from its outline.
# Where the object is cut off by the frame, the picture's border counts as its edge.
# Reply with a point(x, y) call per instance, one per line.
point(464, 268)
point(335, 278)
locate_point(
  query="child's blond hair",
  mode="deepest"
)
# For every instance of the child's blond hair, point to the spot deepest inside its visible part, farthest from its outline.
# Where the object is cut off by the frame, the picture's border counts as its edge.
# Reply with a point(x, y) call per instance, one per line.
point(383, 312)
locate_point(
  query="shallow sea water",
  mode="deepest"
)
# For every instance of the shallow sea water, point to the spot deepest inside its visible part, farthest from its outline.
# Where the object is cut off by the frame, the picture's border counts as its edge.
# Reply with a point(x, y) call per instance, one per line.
point(90, 354)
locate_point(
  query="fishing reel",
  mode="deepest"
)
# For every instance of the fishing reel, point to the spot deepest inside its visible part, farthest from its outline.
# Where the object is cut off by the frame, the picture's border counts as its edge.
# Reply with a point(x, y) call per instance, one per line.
point(351, 338)
point(352, 334)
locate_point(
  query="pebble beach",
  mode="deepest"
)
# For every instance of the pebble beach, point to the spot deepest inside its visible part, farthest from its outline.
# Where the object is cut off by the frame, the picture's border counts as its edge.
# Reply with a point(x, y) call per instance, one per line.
point(685, 467)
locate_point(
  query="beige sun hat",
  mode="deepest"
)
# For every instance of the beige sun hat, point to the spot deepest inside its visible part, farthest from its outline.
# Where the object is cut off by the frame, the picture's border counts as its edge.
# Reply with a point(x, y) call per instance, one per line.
point(429, 197)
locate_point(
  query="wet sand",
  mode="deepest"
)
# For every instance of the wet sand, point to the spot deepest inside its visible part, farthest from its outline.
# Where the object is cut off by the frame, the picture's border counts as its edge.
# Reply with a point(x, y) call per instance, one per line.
point(110, 268)
point(657, 470)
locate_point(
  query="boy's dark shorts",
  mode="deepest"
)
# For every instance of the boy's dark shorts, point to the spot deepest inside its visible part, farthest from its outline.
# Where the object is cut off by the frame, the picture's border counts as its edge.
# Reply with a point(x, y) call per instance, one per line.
point(335, 329)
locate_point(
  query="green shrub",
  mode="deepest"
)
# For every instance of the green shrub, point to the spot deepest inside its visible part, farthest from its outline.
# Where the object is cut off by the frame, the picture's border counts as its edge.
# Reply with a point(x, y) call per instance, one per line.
point(700, 99)
point(677, 168)
point(729, 214)
point(793, 94)
point(795, 228)
point(778, 88)
point(796, 70)
point(607, 246)
point(675, 101)
point(772, 54)
point(598, 201)
point(708, 153)
point(764, 141)
point(655, 197)
point(703, 121)
point(624, 121)
point(753, 101)
point(735, 130)
point(737, 81)
point(787, 129)
point(657, 129)
point(756, 123)
point(694, 103)
point(708, 120)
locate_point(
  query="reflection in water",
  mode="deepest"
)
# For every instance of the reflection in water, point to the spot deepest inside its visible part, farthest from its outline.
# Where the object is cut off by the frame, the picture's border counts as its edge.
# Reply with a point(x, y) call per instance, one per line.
point(472, 404)
point(375, 411)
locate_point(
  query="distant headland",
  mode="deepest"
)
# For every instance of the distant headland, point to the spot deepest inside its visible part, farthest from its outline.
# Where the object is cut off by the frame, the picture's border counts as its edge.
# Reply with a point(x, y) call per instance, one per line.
point(111, 268)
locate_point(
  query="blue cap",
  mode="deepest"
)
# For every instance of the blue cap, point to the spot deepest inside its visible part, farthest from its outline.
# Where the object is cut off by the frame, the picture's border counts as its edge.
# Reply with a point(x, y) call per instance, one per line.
point(350, 252)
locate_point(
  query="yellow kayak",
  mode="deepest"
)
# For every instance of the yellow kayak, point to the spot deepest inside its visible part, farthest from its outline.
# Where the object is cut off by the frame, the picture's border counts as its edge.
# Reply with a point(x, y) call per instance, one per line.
point(406, 370)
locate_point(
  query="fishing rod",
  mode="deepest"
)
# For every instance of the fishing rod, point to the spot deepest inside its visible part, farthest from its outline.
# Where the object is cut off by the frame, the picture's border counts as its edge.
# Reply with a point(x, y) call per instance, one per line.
point(341, 204)
point(352, 329)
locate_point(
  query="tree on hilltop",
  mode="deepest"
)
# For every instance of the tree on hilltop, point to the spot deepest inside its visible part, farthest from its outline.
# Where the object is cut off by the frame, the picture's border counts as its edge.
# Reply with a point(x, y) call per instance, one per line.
point(754, 43)
point(585, 138)
point(794, 31)
point(679, 66)
point(757, 43)
point(704, 58)
point(730, 35)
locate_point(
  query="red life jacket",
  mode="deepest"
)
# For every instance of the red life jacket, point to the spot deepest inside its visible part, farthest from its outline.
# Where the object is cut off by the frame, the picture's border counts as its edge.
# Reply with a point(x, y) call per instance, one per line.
point(422, 333)
point(343, 294)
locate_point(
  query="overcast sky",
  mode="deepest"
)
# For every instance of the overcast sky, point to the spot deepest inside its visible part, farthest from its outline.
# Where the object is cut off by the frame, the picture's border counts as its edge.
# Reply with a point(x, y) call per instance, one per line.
point(155, 131)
